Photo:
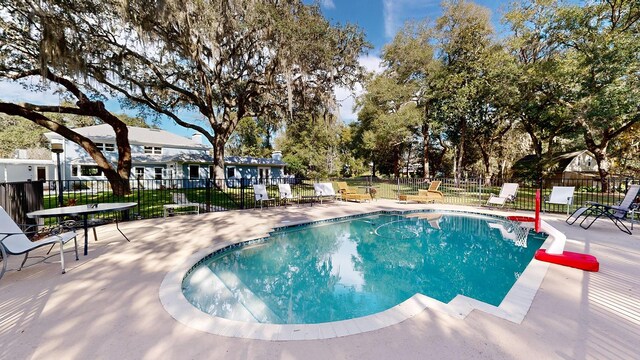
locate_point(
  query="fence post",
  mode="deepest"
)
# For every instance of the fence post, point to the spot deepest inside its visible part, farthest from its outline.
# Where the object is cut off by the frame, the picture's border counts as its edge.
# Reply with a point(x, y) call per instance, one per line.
point(208, 194)
point(480, 191)
point(241, 195)
point(139, 210)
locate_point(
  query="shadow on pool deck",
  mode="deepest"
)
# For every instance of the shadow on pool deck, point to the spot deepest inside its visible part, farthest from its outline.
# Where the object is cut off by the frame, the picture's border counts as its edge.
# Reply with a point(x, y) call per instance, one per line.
point(107, 305)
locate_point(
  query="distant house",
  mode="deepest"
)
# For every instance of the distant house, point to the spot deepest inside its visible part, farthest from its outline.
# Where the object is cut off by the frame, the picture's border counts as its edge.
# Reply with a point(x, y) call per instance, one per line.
point(161, 156)
point(576, 165)
point(21, 167)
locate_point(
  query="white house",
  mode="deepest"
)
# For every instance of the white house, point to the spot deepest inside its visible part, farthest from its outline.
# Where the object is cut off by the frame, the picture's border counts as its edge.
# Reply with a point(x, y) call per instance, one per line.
point(21, 168)
point(158, 155)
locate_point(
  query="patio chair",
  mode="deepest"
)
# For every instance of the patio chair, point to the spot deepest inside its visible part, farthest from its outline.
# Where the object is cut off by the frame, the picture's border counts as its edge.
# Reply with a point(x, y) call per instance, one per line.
point(430, 195)
point(13, 241)
point(348, 193)
point(324, 191)
point(615, 213)
point(507, 194)
point(286, 195)
point(561, 195)
point(260, 192)
point(181, 205)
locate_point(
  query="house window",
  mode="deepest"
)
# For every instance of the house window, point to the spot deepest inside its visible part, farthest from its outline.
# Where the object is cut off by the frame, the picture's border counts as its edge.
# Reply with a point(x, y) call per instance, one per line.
point(74, 170)
point(588, 161)
point(263, 174)
point(231, 172)
point(155, 150)
point(157, 173)
point(139, 173)
point(211, 171)
point(89, 170)
point(105, 147)
point(194, 171)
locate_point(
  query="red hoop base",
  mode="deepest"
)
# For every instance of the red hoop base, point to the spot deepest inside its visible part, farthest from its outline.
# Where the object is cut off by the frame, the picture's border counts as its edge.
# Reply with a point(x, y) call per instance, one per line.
point(575, 260)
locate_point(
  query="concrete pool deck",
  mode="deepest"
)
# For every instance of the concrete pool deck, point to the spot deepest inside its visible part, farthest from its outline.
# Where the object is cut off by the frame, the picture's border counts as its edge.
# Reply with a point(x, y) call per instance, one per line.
point(107, 304)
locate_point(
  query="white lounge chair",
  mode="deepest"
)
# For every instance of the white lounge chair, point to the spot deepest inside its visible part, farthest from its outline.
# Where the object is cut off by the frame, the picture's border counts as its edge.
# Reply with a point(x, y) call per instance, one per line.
point(324, 191)
point(286, 195)
point(561, 195)
point(507, 194)
point(13, 241)
point(260, 192)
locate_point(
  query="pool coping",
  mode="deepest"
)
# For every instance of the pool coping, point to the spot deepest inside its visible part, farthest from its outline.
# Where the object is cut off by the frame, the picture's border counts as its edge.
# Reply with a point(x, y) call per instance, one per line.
point(514, 306)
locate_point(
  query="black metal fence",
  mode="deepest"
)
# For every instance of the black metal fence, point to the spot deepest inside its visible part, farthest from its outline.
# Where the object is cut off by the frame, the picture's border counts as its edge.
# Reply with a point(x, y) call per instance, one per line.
point(19, 198)
point(230, 194)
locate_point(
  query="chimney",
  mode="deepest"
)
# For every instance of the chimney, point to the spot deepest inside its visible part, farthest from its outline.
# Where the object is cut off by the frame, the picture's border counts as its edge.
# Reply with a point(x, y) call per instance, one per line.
point(276, 155)
point(197, 138)
point(21, 154)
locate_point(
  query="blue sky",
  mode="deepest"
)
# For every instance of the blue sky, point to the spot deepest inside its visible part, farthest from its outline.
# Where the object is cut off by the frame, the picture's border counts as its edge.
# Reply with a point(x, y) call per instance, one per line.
point(380, 19)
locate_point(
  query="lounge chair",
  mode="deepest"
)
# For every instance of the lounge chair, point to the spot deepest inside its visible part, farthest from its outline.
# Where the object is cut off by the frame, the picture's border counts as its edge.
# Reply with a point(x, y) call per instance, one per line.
point(286, 195)
point(324, 191)
point(349, 193)
point(260, 192)
point(13, 241)
point(181, 205)
point(507, 194)
point(614, 213)
point(561, 195)
point(430, 195)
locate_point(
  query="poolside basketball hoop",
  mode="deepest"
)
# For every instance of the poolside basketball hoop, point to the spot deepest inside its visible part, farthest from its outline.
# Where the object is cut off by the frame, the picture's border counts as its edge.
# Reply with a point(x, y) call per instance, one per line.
point(555, 254)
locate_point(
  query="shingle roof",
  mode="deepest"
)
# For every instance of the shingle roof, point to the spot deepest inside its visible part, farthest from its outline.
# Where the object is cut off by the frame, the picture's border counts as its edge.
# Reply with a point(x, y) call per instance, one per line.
point(205, 158)
point(247, 160)
point(137, 136)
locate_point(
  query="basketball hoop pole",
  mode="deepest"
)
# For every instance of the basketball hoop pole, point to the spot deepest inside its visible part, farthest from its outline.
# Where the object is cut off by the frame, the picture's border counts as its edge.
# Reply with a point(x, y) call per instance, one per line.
point(537, 222)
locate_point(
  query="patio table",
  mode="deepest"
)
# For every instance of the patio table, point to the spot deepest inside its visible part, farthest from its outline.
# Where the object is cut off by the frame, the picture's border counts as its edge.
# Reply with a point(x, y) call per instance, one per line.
point(84, 211)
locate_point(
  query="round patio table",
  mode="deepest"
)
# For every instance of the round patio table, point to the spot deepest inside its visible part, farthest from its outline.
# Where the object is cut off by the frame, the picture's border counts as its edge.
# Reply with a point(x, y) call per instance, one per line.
point(84, 211)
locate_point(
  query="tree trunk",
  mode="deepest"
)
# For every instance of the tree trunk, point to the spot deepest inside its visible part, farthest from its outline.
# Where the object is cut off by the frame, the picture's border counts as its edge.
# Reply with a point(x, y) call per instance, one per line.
point(460, 155)
point(119, 185)
point(458, 163)
point(425, 149)
point(408, 160)
point(396, 162)
point(486, 161)
point(602, 160)
point(218, 161)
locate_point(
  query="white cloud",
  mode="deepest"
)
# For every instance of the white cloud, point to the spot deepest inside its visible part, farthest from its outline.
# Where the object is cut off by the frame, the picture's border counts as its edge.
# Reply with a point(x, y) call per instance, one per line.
point(14, 92)
point(371, 63)
point(396, 12)
point(347, 98)
point(328, 4)
point(389, 18)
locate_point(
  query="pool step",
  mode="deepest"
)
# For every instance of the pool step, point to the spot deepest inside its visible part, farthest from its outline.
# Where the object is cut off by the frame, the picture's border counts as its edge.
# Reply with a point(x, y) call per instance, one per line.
point(252, 303)
point(212, 296)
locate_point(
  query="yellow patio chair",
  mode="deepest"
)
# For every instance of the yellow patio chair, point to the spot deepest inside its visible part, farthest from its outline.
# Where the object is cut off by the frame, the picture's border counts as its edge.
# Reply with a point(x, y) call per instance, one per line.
point(349, 193)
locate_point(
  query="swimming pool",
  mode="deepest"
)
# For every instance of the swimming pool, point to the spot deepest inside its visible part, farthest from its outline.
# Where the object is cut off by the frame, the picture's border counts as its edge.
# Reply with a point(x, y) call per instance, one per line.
point(358, 266)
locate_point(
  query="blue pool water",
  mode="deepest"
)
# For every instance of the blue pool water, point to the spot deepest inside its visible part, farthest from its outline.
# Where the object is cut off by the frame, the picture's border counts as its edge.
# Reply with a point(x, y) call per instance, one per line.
point(360, 266)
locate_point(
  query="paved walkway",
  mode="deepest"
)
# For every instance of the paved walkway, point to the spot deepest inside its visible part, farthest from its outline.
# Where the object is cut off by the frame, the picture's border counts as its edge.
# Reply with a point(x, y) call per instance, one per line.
point(107, 304)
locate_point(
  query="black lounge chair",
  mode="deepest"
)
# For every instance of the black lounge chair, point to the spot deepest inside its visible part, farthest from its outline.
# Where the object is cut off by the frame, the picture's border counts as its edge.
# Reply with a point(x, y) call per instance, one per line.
point(614, 213)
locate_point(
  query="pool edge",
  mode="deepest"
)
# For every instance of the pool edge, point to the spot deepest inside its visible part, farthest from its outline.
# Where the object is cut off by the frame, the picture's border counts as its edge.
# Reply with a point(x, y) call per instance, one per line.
point(513, 308)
